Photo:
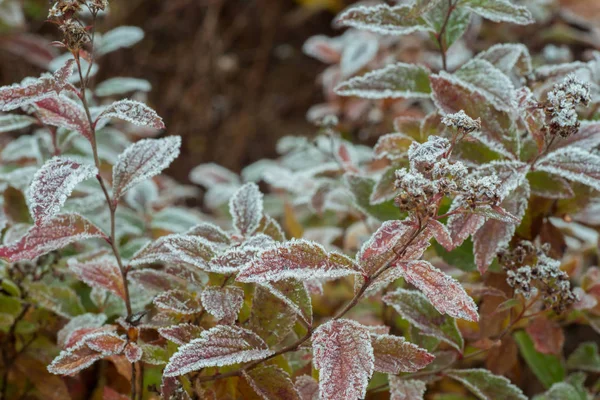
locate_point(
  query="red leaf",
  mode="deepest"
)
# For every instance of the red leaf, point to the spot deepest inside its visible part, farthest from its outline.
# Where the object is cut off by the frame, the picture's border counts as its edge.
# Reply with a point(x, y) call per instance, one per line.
point(181, 334)
point(210, 232)
point(271, 383)
point(463, 225)
point(441, 234)
point(444, 292)
point(218, 346)
point(102, 272)
point(406, 389)
point(143, 160)
point(61, 111)
point(223, 303)
point(57, 233)
point(307, 387)
point(343, 354)
point(106, 343)
point(178, 302)
point(547, 335)
point(15, 96)
point(52, 185)
point(394, 354)
point(133, 111)
point(298, 259)
point(393, 146)
point(70, 362)
point(174, 249)
point(133, 352)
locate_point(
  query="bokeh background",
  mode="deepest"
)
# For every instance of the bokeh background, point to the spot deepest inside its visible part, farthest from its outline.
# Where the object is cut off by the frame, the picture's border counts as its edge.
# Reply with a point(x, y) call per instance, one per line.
point(229, 76)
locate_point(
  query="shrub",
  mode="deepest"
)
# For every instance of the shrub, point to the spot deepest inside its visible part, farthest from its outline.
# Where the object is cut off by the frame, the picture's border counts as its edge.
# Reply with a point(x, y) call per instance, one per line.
point(434, 256)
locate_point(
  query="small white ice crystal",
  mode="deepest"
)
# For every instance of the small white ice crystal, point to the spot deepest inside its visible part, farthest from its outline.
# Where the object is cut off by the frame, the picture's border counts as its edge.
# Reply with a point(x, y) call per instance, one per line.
point(461, 120)
point(565, 97)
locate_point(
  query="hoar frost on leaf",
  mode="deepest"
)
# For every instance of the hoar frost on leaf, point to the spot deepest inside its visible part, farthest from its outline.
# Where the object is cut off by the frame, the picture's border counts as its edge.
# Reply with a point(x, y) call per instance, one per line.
point(500, 11)
point(271, 382)
point(181, 334)
point(246, 209)
point(486, 385)
point(223, 303)
point(343, 354)
point(177, 301)
point(133, 111)
point(406, 389)
point(574, 164)
point(393, 81)
point(216, 347)
point(143, 160)
point(394, 354)
point(101, 272)
point(13, 122)
point(61, 111)
point(15, 96)
point(55, 234)
point(307, 387)
point(298, 259)
point(192, 250)
point(52, 185)
point(383, 19)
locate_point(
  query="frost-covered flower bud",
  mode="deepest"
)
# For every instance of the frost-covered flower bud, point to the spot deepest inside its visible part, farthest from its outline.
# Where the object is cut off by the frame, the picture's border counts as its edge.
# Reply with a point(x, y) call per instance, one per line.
point(462, 121)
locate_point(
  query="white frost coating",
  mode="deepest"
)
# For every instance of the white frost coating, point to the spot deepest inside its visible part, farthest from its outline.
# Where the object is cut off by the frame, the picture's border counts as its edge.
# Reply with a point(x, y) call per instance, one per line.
point(564, 98)
point(55, 234)
point(120, 37)
point(406, 389)
point(307, 387)
point(343, 354)
point(497, 88)
point(441, 234)
point(132, 111)
point(180, 334)
point(177, 301)
point(52, 185)
point(444, 292)
point(101, 272)
point(223, 303)
point(574, 164)
point(217, 347)
point(79, 322)
point(500, 11)
point(360, 49)
point(393, 81)
point(12, 122)
point(143, 160)
point(246, 209)
point(505, 57)
point(295, 295)
point(176, 248)
point(16, 96)
point(393, 354)
point(382, 19)
point(63, 112)
point(233, 260)
point(486, 385)
point(298, 259)
point(119, 85)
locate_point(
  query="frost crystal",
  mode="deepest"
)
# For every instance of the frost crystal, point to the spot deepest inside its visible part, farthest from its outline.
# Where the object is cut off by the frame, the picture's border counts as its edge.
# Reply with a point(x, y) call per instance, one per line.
point(246, 209)
point(143, 160)
point(53, 184)
point(223, 303)
point(216, 347)
point(343, 354)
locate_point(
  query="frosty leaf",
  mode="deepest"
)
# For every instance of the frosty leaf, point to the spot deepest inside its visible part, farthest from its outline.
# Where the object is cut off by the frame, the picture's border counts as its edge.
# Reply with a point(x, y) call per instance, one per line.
point(246, 209)
point(485, 385)
point(271, 318)
point(441, 234)
point(585, 358)
point(57, 233)
point(181, 334)
point(211, 174)
point(143, 160)
point(223, 303)
point(12, 122)
point(414, 307)
point(154, 280)
point(102, 272)
point(134, 112)
point(452, 95)
point(178, 301)
point(440, 18)
point(15, 96)
point(295, 295)
point(444, 292)
point(62, 300)
point(298, 259)
point(133, 352)
point(499, 11)
point(210, 232)
point(463, 225)
point(271, 383)
point(120, 37)
point(574, 164)
point(78, 324)
point(393, 81)
point(393, 355)
point(307, 387)
point(118, 86)
point(361, 188)
point(493, 83)
point(586, 138)
point(562, 391)
point(216, 347)
point(72, 361)
point(343, 354)
point(52, 185)
point(384, 189)
point(358, 52)
point(383, 19)
point(61, 111)
point(495, 234)
point(406, 389)
point(392, 146)
point(508, 56)
point(105, 343)
point(270, 227)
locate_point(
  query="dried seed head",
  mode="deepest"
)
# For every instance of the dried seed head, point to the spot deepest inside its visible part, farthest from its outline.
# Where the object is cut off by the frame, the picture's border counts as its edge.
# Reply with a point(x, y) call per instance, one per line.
point(75, 34)
point(462, 122)
point(561, 106)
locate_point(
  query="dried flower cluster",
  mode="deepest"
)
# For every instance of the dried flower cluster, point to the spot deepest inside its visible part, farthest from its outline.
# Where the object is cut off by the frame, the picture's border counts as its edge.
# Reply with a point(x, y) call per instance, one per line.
point(531, 272)
point(561, 107)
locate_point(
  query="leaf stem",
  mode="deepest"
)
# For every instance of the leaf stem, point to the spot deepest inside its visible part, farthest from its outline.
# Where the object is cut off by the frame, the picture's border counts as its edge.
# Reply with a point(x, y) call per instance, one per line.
point(440, 35)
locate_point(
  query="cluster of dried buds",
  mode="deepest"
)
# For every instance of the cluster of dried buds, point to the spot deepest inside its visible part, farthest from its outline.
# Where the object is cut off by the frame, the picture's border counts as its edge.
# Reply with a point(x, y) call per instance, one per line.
point(530, 272)
point(432, 175)
point(75, 33)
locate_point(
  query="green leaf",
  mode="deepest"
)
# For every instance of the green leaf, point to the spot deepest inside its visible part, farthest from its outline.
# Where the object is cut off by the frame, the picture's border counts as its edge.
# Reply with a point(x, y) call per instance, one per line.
point(560, 391)
point(461, 257)
point(61, 299)
point(271, 383)
point(398, 80)
point(10, 287)
point(585, 358)
point(499, 11)
point(154, 355)
point(383, 19)
point(271, 318)
point(550, 186)
point(455, 27)
point(361, 188)
point(546, 367)
point(487, 386)
point(414, 307)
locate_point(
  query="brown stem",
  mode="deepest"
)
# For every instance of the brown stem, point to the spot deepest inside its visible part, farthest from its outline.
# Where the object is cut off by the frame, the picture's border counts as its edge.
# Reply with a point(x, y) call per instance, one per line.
point(440, 35)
